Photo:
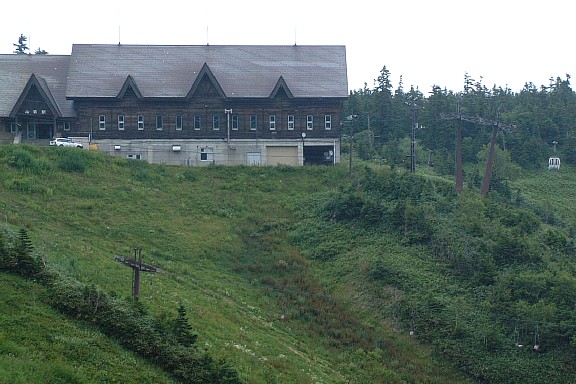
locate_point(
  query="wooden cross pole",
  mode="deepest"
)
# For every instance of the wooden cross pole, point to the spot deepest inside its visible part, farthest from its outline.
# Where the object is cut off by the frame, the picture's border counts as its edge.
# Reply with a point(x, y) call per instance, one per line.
point(137, 267)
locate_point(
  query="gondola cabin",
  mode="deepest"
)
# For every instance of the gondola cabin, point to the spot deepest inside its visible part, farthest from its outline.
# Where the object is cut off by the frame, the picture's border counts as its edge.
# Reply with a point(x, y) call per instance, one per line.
point(554, 163)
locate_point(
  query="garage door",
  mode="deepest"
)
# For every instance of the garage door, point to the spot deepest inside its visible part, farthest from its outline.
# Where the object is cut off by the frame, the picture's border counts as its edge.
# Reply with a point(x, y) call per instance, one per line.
point(282, 155)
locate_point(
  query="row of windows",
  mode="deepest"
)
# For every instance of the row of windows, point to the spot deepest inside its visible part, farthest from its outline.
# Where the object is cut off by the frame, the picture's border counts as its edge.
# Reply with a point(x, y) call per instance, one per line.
point(216, 123)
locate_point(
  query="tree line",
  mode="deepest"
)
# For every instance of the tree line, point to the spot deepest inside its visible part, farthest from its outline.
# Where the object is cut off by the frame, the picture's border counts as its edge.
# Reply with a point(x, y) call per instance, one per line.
point(545, 117)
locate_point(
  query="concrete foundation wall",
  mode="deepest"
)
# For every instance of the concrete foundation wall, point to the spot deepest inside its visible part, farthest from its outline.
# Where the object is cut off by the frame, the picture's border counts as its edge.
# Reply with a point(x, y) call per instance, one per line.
point(206, 152)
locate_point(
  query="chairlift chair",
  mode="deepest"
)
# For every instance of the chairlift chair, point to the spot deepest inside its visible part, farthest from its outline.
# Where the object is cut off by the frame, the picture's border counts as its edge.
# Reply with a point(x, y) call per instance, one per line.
point(554, 163)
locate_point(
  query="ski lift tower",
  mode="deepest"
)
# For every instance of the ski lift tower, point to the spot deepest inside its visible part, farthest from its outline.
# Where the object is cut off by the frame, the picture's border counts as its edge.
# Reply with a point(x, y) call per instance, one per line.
point(137, 267)
point(496, 126)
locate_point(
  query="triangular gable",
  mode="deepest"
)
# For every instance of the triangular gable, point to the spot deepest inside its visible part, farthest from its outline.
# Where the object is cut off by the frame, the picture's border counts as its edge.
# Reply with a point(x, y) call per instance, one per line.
point(43, 90)
point(206, 72)
point(281, 86)
point(129, 83)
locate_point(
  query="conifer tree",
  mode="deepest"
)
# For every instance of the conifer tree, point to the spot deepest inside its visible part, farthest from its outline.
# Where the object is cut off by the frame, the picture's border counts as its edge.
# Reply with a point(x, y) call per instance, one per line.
point(25, 263)
point(21, 47)
point(184, 334)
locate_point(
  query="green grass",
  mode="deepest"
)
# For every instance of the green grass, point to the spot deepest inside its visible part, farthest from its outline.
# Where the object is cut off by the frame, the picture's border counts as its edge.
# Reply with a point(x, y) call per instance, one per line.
point(553, 192)
point(39, 345)
point(281, 295)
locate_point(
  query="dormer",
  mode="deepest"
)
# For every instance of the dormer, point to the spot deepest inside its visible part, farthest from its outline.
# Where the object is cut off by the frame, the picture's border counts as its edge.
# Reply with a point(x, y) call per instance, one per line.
point(129, 87)
point(281, 89)
point(205, 84)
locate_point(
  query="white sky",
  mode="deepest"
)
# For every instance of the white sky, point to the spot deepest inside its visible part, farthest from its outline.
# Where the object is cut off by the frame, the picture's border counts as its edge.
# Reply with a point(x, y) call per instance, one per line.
point(507, 42)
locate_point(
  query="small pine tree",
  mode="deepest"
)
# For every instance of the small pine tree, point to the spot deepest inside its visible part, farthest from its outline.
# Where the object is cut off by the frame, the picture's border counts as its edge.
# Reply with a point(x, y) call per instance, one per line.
point(21, 47)
point(26, 265)
point(183, 331)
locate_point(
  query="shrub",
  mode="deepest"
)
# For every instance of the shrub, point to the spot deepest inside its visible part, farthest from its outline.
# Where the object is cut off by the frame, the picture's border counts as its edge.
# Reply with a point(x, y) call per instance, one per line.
point(23, 160)
point(72, 160)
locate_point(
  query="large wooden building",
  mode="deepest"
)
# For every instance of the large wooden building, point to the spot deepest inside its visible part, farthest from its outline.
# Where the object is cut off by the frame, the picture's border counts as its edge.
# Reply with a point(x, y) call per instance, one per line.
point(182, 105)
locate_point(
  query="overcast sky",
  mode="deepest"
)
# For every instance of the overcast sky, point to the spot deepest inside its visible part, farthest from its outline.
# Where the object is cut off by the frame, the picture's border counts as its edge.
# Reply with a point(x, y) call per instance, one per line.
point(506, 42)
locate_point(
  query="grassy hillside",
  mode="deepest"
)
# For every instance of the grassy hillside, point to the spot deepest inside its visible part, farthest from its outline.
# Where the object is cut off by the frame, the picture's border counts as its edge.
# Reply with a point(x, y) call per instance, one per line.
point(308, 275)
point(40, 345)
point(219, 236)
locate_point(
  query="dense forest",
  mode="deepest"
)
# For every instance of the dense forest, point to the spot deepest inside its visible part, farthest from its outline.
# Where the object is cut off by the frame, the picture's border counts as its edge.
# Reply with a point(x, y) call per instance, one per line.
point(382, 117)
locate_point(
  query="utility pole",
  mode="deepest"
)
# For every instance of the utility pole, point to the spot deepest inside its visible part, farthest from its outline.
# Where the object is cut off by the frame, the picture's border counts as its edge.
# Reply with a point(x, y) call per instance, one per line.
point(228, 112)
point(137, 267)
point(350, 119)
point(413, 107)
point(459, 166)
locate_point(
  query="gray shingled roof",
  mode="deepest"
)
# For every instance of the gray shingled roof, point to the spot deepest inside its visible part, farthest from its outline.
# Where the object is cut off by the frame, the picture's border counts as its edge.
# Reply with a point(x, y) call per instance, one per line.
point(241, 71)
point(51, 70)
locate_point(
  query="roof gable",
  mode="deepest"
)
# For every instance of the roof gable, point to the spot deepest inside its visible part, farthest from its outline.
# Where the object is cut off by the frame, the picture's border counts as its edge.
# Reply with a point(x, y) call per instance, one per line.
point(281, 88)
point(129, 83)
point(38, 84)
point(205, 74)
point(51, 75)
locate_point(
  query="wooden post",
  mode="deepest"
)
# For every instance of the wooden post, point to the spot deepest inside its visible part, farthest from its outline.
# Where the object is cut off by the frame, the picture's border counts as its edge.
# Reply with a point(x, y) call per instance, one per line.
point(136, 287)
point(489, 164)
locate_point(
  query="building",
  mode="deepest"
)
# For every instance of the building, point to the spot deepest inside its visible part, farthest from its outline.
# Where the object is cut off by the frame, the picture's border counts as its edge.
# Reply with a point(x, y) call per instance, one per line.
point(182, 105)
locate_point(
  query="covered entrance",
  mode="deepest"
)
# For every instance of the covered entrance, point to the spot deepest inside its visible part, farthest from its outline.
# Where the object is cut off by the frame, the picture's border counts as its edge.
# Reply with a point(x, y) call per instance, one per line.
point(319, 154)
point(37, 130)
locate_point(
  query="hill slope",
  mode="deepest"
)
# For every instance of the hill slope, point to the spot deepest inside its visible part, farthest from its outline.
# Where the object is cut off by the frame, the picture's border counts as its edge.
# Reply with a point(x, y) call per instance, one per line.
point(39, 345)
point(219, 236)
point(306, 275)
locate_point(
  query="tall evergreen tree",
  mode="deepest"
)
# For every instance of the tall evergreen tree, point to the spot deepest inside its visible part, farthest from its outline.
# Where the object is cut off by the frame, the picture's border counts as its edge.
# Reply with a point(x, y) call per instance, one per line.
point(21, 46)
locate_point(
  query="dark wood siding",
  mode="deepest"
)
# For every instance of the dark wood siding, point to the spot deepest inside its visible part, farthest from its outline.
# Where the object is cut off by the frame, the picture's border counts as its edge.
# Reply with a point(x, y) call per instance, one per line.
point(207, 107)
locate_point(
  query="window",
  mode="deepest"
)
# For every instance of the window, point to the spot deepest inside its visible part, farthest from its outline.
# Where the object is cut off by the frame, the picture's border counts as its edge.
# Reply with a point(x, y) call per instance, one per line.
point(120, 122)
point(327, 122)
point(140, 122)
point(272, 122)
point(197, 121)
point(291, 122)
point(159, 122)
point(309, 122)
point(235, 122)
point(215, 122)
point(134, 156)
point(13, 128)
point(102, 122)
point(206, 154)
point(253, 122)
point(178, 123)
point(66, 125)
